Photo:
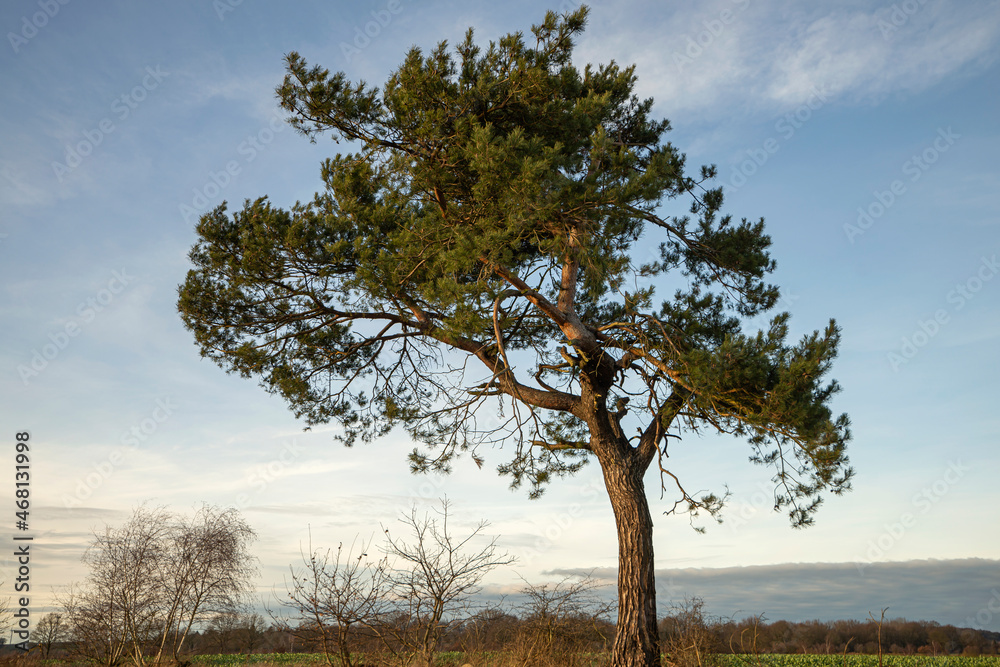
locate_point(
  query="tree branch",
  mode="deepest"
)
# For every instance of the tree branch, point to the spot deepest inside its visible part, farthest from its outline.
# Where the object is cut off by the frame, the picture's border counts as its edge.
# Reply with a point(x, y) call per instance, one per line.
point(654, 432)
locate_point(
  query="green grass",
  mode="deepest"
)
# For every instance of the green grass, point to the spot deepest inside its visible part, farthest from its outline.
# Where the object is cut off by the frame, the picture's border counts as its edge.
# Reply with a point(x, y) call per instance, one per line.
point(231, 660)
point(858, 661)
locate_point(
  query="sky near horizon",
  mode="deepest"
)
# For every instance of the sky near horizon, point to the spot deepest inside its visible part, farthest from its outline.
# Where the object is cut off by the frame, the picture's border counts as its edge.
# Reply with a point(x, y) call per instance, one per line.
point(865, 133)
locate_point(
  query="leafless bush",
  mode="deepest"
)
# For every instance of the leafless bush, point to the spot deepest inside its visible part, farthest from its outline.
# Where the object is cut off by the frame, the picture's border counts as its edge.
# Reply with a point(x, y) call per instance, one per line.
point(687, 638)
point(153, 579)
point(400, 607)
point(562, 623)
point(438, 574)
point(336, 594)
point(745, 639)
point(489, 629)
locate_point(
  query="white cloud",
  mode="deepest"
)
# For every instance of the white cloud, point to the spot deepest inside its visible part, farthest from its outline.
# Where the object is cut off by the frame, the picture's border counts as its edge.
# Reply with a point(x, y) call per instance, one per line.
point(769, 58)
point(17, 191)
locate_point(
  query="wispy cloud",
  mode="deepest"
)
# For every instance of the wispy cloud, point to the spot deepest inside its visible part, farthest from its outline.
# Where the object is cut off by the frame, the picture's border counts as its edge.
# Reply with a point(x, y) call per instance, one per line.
point(17, 190)
point(730, 57)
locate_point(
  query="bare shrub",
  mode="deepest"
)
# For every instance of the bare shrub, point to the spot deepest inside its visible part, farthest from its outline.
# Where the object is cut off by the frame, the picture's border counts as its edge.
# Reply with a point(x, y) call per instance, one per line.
point(745, 639)
point(489, 630)
point(563, 622)
point(686, 636)
point(443, 574)
point(153, 579)
point(333, 597)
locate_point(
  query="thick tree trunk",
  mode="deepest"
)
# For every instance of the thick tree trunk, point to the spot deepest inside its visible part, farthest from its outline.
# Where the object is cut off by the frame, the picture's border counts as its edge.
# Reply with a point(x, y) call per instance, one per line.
point(636, 639)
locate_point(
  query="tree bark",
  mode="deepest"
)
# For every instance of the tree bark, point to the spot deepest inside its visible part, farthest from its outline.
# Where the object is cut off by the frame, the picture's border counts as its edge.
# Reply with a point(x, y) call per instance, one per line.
point(636, 639)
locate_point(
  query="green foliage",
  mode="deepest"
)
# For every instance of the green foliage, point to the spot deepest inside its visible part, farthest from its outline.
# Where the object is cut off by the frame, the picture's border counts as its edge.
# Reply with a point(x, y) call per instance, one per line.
point(856, 660)
point(469, 274)
point(234, 659)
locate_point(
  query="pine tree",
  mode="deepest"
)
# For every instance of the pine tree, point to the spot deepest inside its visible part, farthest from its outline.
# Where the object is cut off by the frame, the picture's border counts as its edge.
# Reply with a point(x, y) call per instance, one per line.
point(469, 273)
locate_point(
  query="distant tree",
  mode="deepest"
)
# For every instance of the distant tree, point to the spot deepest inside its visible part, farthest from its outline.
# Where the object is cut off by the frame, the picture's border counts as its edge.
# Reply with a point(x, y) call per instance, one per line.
point(51, 630)
point(943, 639)
point(236, 631)
point(810, 636)
point(746, 637)
point(503, 207)
point(221, 631)
point(252, 632)
point(6, 618)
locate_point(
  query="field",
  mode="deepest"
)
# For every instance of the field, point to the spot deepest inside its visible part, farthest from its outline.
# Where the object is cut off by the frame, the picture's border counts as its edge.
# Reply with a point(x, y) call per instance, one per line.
point(858, 661)
point(455, 659)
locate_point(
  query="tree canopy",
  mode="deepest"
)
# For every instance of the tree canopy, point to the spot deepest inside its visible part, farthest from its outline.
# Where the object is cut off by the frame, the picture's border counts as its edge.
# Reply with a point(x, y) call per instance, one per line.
point(471, 272)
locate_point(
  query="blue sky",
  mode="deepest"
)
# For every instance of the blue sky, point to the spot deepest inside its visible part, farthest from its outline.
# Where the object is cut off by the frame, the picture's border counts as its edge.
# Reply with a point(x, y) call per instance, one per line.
point(866, 133)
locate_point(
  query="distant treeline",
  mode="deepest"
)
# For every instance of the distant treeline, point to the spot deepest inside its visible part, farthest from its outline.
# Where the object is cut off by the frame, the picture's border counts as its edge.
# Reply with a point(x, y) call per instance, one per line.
point(895, 636)
point(499, 631)
point(495, 631)
point(164, 586)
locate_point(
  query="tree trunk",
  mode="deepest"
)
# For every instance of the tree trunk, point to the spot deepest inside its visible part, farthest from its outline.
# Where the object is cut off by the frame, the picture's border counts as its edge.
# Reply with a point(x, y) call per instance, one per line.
point(636, 640)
